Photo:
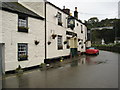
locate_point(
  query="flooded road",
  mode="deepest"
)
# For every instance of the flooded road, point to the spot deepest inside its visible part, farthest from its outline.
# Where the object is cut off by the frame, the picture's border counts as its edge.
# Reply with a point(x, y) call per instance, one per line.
point(83, 72)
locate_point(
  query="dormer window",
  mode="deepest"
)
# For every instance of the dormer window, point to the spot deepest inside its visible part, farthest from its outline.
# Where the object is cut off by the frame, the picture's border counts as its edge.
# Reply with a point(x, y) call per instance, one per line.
point(59, 19)
point(22, 23)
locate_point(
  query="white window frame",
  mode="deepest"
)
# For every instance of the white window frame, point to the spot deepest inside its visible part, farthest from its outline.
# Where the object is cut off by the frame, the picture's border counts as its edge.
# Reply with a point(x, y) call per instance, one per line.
point(59, 42)
point(22, 50)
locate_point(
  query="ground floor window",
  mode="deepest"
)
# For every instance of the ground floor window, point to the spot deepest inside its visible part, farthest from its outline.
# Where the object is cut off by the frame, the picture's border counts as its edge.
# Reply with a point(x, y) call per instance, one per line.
point(68, 42)
point(59, 42)
point(22, 51)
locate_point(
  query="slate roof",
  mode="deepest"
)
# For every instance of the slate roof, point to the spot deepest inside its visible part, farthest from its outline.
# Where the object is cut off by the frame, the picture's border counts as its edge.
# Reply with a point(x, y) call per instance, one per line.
point(15, 7)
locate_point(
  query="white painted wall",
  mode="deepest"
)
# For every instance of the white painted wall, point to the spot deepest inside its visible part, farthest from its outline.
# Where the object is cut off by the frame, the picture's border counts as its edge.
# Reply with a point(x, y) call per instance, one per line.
point(11, 37)
point(80, 35)
point(53, 27)
point(0, 26)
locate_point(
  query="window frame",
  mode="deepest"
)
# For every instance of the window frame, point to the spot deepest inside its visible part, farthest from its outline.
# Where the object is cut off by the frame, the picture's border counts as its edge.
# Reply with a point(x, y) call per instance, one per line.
point(22, 48)
point(59, 44)
point(22, 26)
point(68, 43)
point(59, 18)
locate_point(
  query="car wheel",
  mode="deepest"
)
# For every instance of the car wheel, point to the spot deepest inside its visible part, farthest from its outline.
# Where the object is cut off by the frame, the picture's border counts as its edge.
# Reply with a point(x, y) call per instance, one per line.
point(97, 53)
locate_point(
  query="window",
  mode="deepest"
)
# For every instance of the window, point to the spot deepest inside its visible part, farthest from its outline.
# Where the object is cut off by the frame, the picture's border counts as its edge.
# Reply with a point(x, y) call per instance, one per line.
point(22, 24)
point(81, 29)
point(77, 24)
point(60, 46)
point(82, 44)
point(68, 46)
point(22, 51)
point(59, 19)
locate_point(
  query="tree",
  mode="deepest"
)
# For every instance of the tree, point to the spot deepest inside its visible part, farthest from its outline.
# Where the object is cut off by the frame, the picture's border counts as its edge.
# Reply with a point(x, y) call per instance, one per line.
point(92, 22)
point(117, 28)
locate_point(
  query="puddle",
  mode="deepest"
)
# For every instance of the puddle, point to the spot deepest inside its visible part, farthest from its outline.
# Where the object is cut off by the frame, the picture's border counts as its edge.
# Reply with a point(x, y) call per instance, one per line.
point(76, 61)
point(100, 62)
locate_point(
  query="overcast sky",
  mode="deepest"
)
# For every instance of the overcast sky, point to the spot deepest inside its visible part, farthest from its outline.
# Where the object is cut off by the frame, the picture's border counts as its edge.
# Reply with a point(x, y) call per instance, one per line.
point(91, 8)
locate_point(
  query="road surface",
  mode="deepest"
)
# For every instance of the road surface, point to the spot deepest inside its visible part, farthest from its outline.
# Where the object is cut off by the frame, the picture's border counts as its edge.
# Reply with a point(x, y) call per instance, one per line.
point(84, 72)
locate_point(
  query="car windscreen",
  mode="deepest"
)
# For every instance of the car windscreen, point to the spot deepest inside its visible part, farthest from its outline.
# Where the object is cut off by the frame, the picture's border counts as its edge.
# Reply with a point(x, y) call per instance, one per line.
point(92, 48)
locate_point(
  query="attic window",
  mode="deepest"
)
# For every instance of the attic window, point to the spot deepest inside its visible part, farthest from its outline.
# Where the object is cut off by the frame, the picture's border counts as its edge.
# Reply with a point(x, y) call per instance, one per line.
point(22, 24)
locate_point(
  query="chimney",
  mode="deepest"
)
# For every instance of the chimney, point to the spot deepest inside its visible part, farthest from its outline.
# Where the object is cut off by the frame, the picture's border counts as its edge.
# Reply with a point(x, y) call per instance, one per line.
point(76, 13)
point(66, 10)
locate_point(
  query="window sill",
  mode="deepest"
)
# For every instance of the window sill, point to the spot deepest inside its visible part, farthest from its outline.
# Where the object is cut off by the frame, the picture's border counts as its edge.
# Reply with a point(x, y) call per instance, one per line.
point(23, 59)
point(60, 48)
point(59, 23)
point(23, 29)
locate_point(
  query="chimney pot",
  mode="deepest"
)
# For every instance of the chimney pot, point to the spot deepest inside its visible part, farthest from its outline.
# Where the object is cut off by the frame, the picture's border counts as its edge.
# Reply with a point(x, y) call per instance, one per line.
point(75, 8)
point(63, 7)
point(76, 13)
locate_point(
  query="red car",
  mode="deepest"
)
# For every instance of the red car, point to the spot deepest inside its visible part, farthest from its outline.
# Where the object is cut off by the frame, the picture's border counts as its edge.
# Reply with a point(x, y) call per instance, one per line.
point(92, 50)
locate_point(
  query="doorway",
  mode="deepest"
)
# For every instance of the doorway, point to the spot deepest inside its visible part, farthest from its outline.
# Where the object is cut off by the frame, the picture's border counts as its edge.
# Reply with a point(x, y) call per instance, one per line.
point(73, 47)
point(2, 62)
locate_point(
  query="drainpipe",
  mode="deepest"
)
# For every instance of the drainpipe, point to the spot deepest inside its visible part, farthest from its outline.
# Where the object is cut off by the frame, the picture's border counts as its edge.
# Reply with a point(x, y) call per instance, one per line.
point(45, 33)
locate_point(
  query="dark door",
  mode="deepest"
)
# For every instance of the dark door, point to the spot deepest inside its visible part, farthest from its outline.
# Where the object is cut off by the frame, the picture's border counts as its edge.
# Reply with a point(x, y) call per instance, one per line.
point(1, 63)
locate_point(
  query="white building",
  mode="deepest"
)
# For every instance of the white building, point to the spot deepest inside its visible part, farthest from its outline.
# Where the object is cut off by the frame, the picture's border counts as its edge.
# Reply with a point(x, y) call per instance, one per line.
point(49, 33)
point(56, 23)
point(21, 29)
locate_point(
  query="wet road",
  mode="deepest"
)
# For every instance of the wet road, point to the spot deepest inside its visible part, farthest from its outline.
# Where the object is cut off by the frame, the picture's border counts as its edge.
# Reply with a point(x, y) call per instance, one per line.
point(84, 72)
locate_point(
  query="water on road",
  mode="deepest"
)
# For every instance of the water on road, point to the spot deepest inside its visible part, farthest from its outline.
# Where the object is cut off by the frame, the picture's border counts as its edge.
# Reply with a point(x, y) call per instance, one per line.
point(82, 72)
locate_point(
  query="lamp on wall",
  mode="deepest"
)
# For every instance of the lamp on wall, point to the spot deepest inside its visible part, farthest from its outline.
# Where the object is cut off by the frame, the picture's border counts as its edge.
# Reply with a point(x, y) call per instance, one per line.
point(56, 15)
point(53, 36)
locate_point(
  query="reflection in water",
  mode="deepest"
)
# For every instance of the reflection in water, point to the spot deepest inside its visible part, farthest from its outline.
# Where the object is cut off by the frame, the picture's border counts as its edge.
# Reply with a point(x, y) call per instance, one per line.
point(88, 60)
point(22, 80)
point(0, 82)
point(74, 61)
point(83, 60)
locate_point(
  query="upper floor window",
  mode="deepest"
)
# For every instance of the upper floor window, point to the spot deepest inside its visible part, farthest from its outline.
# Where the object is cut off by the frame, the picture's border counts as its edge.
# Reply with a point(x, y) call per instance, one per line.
point(22, 51)
point(22, 24)
point(59, 19)
point(81, 28)
point(59, 42)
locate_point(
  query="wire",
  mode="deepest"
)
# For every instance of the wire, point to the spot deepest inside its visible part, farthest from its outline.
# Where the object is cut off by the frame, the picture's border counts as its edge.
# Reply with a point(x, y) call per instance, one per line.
point(92, 13)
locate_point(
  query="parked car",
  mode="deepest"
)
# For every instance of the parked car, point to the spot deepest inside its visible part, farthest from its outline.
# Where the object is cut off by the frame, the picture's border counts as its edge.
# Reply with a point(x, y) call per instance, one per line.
point(92, 50)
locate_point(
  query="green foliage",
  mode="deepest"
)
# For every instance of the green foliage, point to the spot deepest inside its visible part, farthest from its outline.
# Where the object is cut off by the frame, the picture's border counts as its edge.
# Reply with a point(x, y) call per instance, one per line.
point(118, 44)
point(106, 45)
point(107, 34)
point(117, 27)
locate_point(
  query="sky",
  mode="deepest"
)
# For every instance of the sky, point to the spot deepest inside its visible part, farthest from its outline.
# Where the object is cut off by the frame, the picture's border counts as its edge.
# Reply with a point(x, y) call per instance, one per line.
point(90, 8)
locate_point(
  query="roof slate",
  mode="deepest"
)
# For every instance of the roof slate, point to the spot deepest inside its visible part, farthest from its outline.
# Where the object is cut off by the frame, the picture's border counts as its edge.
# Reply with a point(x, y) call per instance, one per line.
point(15, 7)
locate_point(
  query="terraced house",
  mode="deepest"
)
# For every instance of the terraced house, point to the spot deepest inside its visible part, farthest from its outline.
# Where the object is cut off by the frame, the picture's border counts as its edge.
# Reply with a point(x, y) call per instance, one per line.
point(37, 32)
point(22, 35)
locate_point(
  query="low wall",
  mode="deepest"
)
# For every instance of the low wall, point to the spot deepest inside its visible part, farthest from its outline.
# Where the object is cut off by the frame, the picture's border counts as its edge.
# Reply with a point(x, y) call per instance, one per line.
point(109, 48)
